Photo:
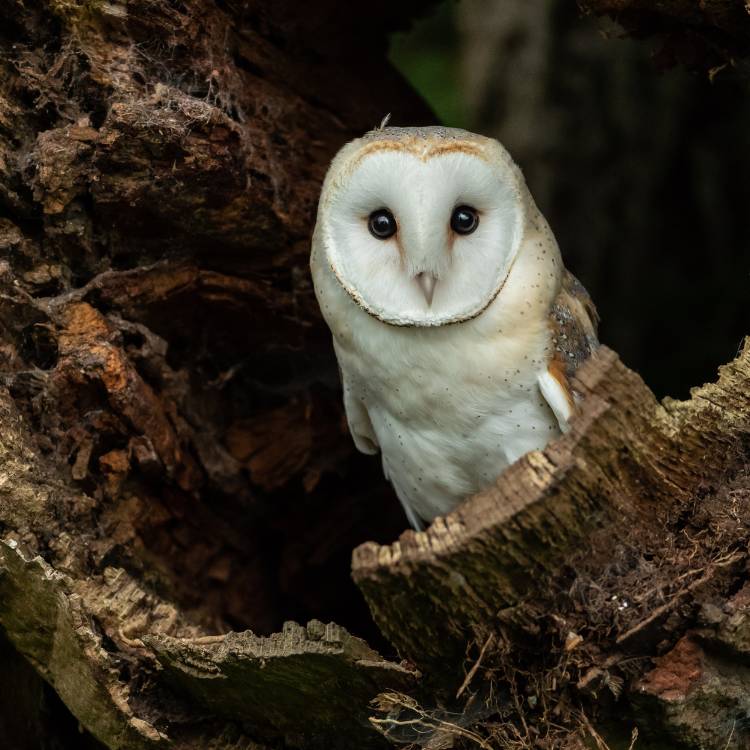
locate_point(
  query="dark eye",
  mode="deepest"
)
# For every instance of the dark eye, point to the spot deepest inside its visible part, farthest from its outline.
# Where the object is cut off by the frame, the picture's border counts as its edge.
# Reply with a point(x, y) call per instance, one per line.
point(382, 224)
point(464, 220)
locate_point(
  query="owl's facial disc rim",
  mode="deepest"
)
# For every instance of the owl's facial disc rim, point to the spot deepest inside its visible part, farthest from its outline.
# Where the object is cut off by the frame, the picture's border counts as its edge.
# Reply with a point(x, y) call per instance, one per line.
point(505, 211)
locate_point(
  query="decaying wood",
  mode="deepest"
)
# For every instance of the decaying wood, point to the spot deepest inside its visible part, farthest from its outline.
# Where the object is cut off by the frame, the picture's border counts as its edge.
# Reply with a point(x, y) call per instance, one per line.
point(275, 683)
point(170, 423)
point(311, 685)
point(99, 640)
point(477, 570)
point(713, 35)
point(611, 543)
point(625, 456)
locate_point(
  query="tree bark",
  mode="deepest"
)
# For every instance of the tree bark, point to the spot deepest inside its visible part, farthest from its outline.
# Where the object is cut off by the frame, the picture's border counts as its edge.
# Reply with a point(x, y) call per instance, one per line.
point(623, 540)
point(175, 465)
point(175, 460)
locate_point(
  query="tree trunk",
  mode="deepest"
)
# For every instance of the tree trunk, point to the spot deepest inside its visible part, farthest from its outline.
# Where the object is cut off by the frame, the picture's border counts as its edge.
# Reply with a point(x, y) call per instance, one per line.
point(625, 539)
point(175, 465)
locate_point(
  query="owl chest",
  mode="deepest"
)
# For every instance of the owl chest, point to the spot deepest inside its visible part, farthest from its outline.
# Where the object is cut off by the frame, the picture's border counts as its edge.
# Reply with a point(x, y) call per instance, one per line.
point(449, 423)
point(454, 404)
point(452, 382)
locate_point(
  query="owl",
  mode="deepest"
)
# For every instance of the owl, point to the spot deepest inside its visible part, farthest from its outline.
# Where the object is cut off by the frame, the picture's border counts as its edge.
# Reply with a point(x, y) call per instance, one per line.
point(455, 324)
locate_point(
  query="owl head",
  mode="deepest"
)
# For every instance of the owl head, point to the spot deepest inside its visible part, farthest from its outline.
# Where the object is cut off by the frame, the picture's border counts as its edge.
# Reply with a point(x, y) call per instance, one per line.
point(421, 226)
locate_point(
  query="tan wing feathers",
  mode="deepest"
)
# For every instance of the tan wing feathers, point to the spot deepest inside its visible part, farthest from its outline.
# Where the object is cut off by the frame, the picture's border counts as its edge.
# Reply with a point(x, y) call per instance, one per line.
point(574, 322)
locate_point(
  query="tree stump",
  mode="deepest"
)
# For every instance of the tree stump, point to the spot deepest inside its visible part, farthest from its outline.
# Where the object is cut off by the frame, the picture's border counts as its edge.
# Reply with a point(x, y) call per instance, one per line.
point(625, 539)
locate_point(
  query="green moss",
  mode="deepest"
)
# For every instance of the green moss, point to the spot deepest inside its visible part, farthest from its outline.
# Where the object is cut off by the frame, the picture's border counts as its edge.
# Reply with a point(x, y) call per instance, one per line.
point(428, 57)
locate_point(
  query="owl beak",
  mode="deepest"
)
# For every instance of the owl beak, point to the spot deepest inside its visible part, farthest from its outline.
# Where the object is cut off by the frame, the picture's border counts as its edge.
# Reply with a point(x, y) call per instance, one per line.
point(426, 283)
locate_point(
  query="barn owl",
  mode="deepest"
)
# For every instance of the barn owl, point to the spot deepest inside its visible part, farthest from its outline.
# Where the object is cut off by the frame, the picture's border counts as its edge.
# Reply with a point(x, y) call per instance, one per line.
point(455, 325)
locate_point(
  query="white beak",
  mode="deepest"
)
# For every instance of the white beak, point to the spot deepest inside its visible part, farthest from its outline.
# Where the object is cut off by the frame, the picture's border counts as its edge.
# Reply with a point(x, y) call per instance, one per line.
point(426, 283)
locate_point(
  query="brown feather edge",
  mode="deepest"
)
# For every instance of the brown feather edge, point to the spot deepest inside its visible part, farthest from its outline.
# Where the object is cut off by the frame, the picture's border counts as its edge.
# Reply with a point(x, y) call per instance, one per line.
point(557, 371)
point(573, 322)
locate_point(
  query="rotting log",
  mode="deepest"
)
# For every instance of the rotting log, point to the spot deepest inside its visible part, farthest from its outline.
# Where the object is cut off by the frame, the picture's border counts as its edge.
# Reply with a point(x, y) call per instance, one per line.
point(516, 555)
point(625, 539)
point(625, 457)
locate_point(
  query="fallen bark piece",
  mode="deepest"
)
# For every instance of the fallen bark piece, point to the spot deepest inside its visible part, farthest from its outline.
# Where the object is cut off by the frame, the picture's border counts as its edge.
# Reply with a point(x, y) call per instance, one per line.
point(308, 686)
point(47, 623)
point(312, 685)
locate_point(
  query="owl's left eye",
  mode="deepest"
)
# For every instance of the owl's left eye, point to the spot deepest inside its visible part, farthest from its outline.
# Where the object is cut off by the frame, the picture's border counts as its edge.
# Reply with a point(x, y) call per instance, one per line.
point(464, 220)
point(382, 224)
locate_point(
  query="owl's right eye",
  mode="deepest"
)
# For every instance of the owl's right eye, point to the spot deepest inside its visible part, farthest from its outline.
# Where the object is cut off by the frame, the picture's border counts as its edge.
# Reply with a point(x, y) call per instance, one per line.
point(382, 224)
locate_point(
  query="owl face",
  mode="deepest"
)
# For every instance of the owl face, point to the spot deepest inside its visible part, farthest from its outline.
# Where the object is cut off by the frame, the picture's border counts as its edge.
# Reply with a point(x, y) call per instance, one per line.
point(421, 226)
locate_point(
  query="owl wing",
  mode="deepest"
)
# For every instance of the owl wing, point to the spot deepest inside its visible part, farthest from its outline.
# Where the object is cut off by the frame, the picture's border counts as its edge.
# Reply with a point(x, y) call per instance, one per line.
point(359, 422)
point(574, 322)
